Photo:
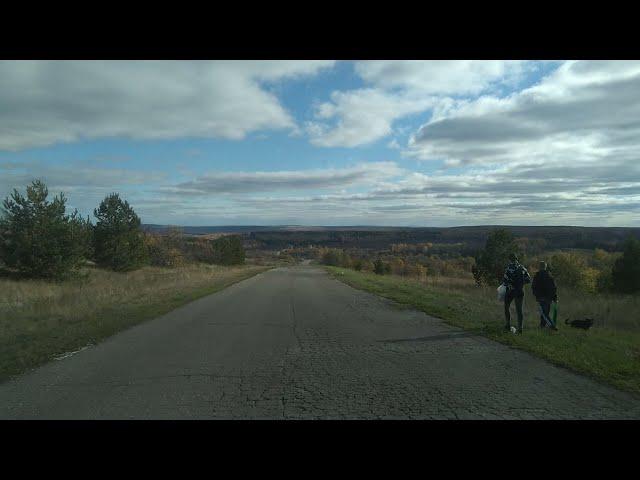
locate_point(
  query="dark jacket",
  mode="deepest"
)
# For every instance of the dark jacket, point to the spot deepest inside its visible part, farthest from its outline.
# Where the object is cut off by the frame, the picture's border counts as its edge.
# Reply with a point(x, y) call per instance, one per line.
point(515, 278)
point(544, 287)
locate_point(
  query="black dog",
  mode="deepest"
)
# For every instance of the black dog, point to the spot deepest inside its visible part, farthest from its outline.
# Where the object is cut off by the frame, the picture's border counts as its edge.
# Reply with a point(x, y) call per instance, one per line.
point(585, 324)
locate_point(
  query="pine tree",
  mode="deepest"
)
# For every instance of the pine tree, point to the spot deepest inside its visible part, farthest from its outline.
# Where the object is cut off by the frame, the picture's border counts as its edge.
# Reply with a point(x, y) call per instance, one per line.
point(626, 270)
point(118, 238)
point(237, 250)
point(379, 267)
point(38, 239)
point(492, 260)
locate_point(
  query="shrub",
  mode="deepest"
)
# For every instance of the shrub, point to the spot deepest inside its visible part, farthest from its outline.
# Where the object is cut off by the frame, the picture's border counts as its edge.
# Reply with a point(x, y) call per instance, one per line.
point(38, 239)
point(118, 239)
point(605, 281)
point(415, 270)
point(568, 269)
point(603, 260)
point(626, 270)
point(199, 250)
point(589, 280)
point(380, 267)
point(345, 260)
point(175, 258)
point(174, 238)
point(336, 257)
point(161, 253)
point(421, 272)
point(397, 266)
point(572, 270)
point(367, 266)
point(226, 250)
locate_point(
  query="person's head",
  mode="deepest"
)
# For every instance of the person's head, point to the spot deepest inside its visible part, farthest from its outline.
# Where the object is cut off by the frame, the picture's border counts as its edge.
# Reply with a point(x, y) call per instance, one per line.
point(542, 266)
point(513, 257)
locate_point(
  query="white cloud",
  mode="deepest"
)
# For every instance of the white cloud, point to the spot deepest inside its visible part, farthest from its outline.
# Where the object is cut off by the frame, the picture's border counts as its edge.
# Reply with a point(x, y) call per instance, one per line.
point(393, 144)
point(519, 196)
point(364, 174)
point(583, 112)
point(379, 193)
point(45, 102)
point(397, 89)
point(440, 77)
point(362, 116)
point(70, 176)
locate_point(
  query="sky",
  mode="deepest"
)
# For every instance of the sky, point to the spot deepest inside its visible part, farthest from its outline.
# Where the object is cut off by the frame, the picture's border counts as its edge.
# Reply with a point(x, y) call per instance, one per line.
point(315, 142)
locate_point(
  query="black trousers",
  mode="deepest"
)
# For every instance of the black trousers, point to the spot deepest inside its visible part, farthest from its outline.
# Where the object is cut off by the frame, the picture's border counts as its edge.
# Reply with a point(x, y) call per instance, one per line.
point(519, 300)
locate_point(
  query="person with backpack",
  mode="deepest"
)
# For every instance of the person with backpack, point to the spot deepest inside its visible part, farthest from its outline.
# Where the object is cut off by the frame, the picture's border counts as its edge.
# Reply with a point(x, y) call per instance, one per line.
point(515, 278)
point(545, 291)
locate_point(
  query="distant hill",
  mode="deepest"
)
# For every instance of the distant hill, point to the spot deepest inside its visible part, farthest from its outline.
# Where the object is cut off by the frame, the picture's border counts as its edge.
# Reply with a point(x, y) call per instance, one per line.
point(206, 230)
point(261, 228)
point(373, 237)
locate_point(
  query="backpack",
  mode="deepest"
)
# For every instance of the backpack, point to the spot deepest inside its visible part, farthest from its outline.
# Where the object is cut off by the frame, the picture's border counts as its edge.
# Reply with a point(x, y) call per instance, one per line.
point(517, 279)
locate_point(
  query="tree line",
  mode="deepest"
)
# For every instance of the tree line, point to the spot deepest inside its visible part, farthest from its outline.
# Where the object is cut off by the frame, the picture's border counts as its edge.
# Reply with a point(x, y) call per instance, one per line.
point(596, 271)
point(602, 272)
point(39, 239)
point(397, 266)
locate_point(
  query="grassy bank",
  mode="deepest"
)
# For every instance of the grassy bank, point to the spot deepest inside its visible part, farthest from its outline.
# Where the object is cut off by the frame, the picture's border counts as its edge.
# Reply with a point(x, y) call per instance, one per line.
point(40, 320)
point(609, 352)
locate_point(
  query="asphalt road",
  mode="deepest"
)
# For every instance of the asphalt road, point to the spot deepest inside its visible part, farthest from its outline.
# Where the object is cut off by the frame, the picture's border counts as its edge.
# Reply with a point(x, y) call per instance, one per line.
point(292, 343)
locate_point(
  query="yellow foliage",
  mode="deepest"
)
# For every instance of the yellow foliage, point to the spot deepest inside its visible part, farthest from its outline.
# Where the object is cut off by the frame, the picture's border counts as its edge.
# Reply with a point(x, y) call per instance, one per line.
point(589, 280)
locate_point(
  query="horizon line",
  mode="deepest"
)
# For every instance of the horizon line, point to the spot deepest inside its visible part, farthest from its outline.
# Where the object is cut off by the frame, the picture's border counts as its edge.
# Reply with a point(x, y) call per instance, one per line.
point(375, 226)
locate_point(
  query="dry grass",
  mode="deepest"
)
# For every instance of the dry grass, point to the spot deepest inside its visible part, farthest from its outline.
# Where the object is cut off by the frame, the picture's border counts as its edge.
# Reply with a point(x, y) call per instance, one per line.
point(40, 320)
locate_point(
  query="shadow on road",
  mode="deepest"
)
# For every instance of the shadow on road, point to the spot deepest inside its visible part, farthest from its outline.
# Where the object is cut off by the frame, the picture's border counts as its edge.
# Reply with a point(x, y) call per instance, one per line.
point(432, 338)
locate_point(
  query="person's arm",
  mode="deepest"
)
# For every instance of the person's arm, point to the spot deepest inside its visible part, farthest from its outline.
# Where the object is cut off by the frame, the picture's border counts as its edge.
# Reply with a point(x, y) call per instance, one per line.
point(506, 279)
point(527, 277)
point(554, 289)
point(534, 285)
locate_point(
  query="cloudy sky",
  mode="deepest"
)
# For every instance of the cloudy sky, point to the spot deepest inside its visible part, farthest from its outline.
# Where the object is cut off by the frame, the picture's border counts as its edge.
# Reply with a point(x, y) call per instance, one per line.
point(413, 143)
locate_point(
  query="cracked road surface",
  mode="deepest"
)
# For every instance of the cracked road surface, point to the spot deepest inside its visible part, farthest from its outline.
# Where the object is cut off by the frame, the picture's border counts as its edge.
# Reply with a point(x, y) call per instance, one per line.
point(292, 343)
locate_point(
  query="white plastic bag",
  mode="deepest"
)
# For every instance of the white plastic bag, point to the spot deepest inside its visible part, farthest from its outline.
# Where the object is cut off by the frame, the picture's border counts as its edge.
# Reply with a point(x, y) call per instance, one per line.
point(502, 291)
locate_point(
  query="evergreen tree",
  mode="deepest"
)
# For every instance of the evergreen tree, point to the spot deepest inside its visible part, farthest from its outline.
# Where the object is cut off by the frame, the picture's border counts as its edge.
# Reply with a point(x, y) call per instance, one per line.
point(118, 238)
point(492, 260)
point(38, 239)
point(237, 250)
point(626, 270)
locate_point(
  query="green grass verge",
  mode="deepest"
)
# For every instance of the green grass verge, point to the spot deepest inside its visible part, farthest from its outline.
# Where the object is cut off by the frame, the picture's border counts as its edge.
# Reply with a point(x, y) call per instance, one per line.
point(609, 355)
point(65, 317)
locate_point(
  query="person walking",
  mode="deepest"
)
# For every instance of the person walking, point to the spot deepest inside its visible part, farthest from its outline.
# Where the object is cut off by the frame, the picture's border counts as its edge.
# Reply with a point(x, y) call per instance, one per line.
point(515, 278)
point(545, 290)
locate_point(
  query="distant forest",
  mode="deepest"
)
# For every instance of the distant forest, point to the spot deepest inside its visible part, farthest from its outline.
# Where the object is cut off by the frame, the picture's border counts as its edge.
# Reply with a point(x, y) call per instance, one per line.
point(471, 238)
